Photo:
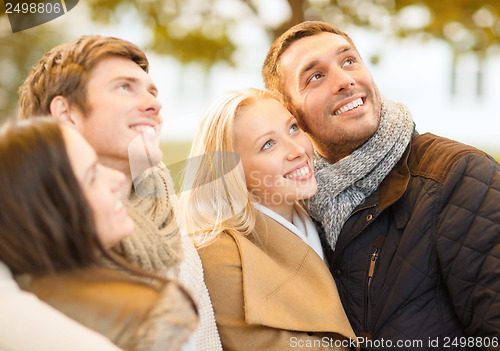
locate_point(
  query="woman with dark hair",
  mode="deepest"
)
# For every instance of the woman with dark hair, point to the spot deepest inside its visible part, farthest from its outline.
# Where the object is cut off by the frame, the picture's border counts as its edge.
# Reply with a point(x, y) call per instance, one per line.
point(60, 212)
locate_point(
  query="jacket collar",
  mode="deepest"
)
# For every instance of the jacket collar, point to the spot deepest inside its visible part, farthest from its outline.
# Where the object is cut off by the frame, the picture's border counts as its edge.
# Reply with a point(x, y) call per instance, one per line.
point(390, 190)
point(392, 187)
point(288, 291)
point(396, 182)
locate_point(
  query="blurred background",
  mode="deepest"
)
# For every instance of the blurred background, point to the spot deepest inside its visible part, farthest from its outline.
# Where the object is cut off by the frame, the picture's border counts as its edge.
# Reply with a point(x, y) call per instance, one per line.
point(441, 58)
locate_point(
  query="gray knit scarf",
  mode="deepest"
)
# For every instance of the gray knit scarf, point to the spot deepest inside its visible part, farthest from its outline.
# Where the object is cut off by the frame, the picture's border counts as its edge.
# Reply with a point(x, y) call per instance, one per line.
point(343, 185)
point(155, 244)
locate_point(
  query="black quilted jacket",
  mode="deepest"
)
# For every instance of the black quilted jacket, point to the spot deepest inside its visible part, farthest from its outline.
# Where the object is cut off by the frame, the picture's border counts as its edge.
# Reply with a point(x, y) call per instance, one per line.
point(418, 263)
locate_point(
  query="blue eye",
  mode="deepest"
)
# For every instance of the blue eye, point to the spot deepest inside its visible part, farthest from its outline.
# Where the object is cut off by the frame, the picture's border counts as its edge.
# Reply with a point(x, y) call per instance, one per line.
point(267, 145)
point(294, 128)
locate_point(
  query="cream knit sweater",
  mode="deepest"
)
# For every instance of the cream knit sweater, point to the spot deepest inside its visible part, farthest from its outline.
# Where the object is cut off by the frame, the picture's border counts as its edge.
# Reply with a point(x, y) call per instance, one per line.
point(206, 336)
point(158, 247)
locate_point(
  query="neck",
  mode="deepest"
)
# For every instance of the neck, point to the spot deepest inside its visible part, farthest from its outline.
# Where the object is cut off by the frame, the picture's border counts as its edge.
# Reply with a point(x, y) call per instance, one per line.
point(330, 153)
point(335, 153)
point(284, 210)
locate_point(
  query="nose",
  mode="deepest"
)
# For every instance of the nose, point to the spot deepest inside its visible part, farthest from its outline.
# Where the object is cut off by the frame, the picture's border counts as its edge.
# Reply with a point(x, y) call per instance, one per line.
point(151, 105)
point(295, 150)
point(341, 79)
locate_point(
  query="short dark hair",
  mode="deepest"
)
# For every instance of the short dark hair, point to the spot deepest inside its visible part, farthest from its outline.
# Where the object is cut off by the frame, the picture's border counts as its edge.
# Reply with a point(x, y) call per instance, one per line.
point(47, 224)
point(271, 74)
point(65, 69)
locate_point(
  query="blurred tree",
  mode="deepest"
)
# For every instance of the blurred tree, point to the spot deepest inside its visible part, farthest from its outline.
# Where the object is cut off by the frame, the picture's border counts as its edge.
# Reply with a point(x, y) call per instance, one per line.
point(468, 26)
point(19, 52)
point(201, 31)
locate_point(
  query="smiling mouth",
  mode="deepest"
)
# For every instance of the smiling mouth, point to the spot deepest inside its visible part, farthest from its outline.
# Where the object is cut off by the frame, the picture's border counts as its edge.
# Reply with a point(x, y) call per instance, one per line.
point(350, 106)
point(144, 129)
point(302, 171)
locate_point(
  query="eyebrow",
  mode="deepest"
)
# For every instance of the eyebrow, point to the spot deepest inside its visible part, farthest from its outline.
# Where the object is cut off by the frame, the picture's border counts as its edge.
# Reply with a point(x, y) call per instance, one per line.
point(315, 62)
point(263, 136)
point(126, 78)
point(290, 119)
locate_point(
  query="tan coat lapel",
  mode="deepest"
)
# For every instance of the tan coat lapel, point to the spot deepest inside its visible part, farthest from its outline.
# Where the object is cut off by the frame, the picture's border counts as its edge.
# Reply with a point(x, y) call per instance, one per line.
point(286, 285)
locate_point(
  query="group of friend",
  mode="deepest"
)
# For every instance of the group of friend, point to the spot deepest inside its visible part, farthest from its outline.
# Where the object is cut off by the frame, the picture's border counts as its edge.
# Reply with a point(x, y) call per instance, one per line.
point(313, 214)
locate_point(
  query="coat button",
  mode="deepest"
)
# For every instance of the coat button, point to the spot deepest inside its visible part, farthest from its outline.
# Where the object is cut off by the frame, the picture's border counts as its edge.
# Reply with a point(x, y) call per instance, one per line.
point(337, 273)
point(369, 217)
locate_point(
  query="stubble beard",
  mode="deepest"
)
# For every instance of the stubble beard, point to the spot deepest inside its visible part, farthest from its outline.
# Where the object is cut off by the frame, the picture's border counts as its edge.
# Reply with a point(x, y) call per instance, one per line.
point(339, 143)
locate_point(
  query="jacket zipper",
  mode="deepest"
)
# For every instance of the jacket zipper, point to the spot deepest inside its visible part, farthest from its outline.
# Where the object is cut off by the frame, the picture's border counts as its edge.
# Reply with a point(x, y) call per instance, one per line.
point(373, 261)
point(377, 245)
point(371, 270)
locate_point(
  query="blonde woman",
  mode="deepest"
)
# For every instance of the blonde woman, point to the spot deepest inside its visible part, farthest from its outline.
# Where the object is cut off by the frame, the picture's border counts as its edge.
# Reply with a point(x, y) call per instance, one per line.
point(271, 290)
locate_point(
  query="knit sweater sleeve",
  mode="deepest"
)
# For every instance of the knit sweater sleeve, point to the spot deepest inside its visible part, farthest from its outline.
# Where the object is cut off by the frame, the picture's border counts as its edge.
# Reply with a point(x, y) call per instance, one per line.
point(27, 323)
point(206, 336)
point(467, 240)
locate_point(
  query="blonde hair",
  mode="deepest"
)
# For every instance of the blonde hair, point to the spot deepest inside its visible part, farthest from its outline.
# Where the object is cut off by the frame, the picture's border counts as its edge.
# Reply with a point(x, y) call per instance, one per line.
point(215, 198)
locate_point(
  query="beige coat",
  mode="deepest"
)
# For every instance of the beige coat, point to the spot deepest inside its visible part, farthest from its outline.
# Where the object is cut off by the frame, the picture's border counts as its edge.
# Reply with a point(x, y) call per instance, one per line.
point(271, 291)
point(132, 314)
point(26, 323)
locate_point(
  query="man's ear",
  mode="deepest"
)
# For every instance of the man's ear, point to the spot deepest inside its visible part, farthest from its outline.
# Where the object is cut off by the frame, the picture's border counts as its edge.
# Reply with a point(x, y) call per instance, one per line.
point(60, 109)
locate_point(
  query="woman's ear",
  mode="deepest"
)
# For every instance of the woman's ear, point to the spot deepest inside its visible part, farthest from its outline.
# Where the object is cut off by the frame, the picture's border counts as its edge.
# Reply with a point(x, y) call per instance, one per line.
point(60, 110)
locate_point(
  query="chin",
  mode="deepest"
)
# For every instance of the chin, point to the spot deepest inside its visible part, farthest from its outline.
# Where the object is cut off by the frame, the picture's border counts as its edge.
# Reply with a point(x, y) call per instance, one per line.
point(144, 148)
point(307, 195)
point(108, 243)
point(141, 159)
point(155, 155)
point(304, 194)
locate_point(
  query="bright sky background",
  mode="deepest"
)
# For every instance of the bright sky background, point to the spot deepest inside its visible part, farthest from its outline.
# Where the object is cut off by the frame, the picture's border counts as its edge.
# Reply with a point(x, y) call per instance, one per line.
point(415, 73)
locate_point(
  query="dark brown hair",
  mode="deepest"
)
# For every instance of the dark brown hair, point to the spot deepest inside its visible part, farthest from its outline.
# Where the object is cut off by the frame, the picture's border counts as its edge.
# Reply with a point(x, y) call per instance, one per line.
point(65, 69)
point(271, 73)
point(47, 224)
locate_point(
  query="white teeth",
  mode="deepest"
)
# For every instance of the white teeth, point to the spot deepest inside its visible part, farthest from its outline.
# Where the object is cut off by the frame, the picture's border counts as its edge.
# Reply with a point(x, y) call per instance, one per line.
point(299, 172)
point(349, 106)
point(145, 129)
point(118, 206)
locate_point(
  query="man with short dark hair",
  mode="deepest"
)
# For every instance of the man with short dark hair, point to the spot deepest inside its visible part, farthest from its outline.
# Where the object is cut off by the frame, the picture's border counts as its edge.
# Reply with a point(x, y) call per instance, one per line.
point(411, 222)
